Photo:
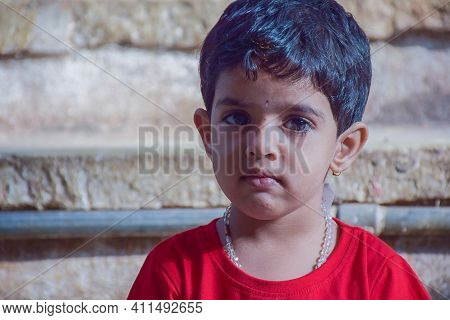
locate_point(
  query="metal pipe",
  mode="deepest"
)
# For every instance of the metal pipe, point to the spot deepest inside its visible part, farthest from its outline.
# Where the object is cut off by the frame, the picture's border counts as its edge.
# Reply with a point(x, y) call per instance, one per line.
point(158, 223)
point(82, 224)
point(397, 220)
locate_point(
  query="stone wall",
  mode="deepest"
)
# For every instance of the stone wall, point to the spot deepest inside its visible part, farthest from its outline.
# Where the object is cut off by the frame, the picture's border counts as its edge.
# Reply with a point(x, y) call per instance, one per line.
point(106, 268)
point(78, 78)
point(177, 24)
point(102, 66)
point(183, 177)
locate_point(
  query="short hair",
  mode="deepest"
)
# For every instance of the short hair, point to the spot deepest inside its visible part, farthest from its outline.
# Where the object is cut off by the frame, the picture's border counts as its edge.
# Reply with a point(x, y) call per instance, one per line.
point(293, 40)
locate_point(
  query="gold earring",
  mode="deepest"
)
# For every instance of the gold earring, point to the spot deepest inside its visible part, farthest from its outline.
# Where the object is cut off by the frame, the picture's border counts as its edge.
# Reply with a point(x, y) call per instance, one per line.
point(336, 173)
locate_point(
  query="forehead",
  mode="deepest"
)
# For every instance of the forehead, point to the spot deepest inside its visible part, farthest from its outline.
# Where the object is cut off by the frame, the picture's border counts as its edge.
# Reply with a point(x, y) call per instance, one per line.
point(267, 90)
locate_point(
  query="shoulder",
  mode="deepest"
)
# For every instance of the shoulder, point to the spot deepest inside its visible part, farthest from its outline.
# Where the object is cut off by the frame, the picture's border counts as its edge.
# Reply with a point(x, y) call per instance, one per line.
point(168, 263)
point(183, 244)
point(365, 243)
point(389, 275)
point(397, 280)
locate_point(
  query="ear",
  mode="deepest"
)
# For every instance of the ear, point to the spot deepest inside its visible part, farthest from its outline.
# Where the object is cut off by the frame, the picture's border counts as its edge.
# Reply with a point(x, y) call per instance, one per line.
point(349, 145)
point(203, 123)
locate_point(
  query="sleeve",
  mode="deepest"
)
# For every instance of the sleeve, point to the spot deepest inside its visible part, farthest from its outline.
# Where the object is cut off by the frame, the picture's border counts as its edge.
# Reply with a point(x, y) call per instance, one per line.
point(398, 281)
point(153, 282)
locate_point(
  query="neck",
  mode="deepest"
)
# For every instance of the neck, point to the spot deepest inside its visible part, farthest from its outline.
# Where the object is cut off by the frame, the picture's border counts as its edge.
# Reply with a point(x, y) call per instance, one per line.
point(305, 222)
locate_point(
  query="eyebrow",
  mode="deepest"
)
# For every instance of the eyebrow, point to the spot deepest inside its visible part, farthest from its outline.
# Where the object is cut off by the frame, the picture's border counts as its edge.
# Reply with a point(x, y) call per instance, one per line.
point(302, 107)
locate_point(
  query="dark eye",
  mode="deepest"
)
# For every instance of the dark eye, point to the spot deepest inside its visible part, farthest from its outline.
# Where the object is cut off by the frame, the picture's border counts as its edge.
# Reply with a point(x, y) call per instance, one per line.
point(297, 124)
point(236, 118)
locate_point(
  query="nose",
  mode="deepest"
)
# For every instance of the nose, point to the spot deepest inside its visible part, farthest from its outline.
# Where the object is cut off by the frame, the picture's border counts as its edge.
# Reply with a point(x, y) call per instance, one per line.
point(262, 142)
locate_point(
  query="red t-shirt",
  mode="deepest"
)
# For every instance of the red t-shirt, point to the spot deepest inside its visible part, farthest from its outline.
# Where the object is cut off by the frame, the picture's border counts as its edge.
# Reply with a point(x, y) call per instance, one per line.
point(193, 265)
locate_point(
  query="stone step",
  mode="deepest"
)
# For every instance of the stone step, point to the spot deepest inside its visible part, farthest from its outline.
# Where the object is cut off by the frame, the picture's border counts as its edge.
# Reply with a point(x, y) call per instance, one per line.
point(397, 166)
point(105, 268)
point(175, 24)
point(113, 90)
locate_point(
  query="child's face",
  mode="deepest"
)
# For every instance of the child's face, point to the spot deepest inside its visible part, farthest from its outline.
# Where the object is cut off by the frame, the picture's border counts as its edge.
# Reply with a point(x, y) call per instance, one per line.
point(255, 132)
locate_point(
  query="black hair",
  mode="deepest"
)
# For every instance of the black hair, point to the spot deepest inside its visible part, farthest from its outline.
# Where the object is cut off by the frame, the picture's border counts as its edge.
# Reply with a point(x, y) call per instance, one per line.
point(293, 40)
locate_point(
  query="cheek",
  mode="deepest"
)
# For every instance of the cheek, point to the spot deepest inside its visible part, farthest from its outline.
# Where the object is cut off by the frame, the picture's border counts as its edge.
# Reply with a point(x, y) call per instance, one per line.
point(225, 151)
point(294, 157)
point(307, 158)
point(225, 139)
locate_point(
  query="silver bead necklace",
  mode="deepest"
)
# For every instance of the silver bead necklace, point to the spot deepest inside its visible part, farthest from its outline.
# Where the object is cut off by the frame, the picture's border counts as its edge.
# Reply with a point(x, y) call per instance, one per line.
point(326, 244)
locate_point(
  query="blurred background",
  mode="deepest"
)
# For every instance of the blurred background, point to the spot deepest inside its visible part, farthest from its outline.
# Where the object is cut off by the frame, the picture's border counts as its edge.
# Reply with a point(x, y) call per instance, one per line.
point(81, 80)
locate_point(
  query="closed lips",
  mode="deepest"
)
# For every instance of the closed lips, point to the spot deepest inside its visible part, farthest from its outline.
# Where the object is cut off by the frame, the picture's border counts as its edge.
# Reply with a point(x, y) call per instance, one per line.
point(260, 174)
point(260, 180)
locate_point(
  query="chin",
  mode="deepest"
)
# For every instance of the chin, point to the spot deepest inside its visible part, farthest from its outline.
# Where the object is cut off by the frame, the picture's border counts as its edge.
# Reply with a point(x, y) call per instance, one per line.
point(260, 209)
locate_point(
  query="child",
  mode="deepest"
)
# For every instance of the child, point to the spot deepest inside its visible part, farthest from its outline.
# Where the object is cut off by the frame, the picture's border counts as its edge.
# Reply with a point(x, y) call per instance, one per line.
point(285, 84)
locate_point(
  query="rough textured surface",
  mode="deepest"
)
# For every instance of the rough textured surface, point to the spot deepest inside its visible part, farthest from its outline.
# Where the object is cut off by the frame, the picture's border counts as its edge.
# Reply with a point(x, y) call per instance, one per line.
point(35, 27)
point(429, 258)
point(399, 176)
point(175, 24)
point(101, 269)
point(99, 182)
point(182, 177)
point(167, 24)
point(70, 94)
point(88, 24)
point(387, 18)
point(106, 269)
point(410, 84)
